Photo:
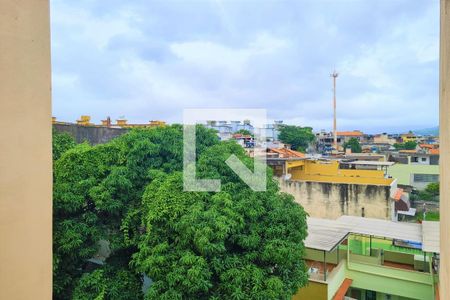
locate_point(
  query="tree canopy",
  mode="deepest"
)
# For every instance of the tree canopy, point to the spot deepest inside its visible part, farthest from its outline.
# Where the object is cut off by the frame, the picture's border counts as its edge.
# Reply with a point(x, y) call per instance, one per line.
point(430, 193)
point(233, 244)
point(298, 137)
point(354, 145)
point(61, 142)
point(244, 132)
point(410, 145)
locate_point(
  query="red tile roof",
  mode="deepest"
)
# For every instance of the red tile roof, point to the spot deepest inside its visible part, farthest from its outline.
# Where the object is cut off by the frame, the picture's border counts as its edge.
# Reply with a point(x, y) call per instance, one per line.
point(433, 151)
point(398, 194)
point(238, 136)
point(340, 293)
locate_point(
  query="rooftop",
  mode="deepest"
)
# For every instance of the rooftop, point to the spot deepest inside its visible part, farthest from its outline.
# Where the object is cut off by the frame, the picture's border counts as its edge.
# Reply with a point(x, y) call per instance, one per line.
point(326, 235)
point(350, 133)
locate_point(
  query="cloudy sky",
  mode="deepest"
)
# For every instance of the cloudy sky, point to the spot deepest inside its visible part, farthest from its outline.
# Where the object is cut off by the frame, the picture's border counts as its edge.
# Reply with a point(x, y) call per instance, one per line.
point(148, 60)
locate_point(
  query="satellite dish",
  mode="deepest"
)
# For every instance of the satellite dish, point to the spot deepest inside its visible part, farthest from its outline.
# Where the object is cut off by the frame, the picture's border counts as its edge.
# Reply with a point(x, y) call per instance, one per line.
point(288, 176)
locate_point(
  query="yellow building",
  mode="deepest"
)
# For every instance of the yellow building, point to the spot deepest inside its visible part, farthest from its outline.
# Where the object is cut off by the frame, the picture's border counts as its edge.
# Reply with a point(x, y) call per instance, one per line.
point(331, 188)
point(334, 171)
point(153, 123)
point(85, 121)
point(408, 137)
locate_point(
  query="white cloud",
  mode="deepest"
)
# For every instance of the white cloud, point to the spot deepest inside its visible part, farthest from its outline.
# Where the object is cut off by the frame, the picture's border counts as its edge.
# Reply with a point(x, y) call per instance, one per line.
point(151, 61)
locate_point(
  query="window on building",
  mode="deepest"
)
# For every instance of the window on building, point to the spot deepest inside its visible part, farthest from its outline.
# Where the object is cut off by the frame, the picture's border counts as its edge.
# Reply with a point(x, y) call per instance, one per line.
point(424, 159)
point(426, 178)
point(414, 159)
point(371, 295)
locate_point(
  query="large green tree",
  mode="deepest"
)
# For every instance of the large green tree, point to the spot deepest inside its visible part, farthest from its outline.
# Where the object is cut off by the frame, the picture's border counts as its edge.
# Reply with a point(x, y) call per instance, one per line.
point(298, 137)
point(97, 196)
point(410, 145)
point(234, 244)
point(244, 132)
point(61, 142)
point(354, 145)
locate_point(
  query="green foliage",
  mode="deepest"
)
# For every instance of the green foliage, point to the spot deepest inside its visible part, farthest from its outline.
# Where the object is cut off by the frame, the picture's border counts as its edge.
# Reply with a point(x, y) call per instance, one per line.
point(61, 142)
point(410, 145)
point(108, 283)
point(430, 193)
point(244, 132)
point(235, 244)
point(298, 137)
point(429, 216)
point(433, 188)
point(97, 195)
point(354, 145)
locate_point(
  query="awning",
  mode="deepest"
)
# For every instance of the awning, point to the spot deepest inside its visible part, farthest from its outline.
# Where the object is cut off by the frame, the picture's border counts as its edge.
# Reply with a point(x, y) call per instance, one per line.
point(383, 228)
point(324, 234)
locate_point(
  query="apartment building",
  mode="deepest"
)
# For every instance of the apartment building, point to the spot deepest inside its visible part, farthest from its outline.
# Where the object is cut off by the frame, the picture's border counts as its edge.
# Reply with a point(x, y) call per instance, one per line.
point(333, 188)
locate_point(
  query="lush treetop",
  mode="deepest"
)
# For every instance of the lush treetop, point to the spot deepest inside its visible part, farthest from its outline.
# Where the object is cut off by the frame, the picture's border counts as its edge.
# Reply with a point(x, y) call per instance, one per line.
point(298, 137)
point(354, 145)
point(410, 145)
point(61, 142)
point(236, 244)
point(244, 132)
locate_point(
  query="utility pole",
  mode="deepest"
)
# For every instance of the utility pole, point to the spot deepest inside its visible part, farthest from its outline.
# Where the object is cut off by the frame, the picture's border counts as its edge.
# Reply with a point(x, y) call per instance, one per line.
point(334, 75)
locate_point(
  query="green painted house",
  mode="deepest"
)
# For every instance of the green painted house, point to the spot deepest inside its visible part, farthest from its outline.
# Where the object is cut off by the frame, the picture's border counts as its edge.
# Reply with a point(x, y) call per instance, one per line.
point(363, 258)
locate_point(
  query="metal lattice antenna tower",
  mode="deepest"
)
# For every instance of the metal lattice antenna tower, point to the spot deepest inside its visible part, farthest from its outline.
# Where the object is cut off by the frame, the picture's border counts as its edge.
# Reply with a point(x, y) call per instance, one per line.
point(334, 75)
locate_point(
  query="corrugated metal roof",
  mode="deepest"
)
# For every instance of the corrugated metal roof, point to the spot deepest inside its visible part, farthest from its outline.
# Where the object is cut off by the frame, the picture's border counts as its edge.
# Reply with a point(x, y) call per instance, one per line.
point(431, 236)
point(383, 228)
point(324, 234)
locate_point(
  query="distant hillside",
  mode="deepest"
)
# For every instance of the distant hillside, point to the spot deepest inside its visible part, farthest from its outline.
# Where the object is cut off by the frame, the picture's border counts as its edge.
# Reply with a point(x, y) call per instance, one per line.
point(428, 131)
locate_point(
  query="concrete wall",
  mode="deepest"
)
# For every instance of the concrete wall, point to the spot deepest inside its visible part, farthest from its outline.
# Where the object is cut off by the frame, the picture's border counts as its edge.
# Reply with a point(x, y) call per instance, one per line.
point(26, 153)
point(332, 200)
point(93, 134)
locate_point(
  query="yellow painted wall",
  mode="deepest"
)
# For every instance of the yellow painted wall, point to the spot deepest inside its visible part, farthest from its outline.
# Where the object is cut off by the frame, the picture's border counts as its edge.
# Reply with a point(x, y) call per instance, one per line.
point(313, 291)
point(406, 138)
point(328, 171)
